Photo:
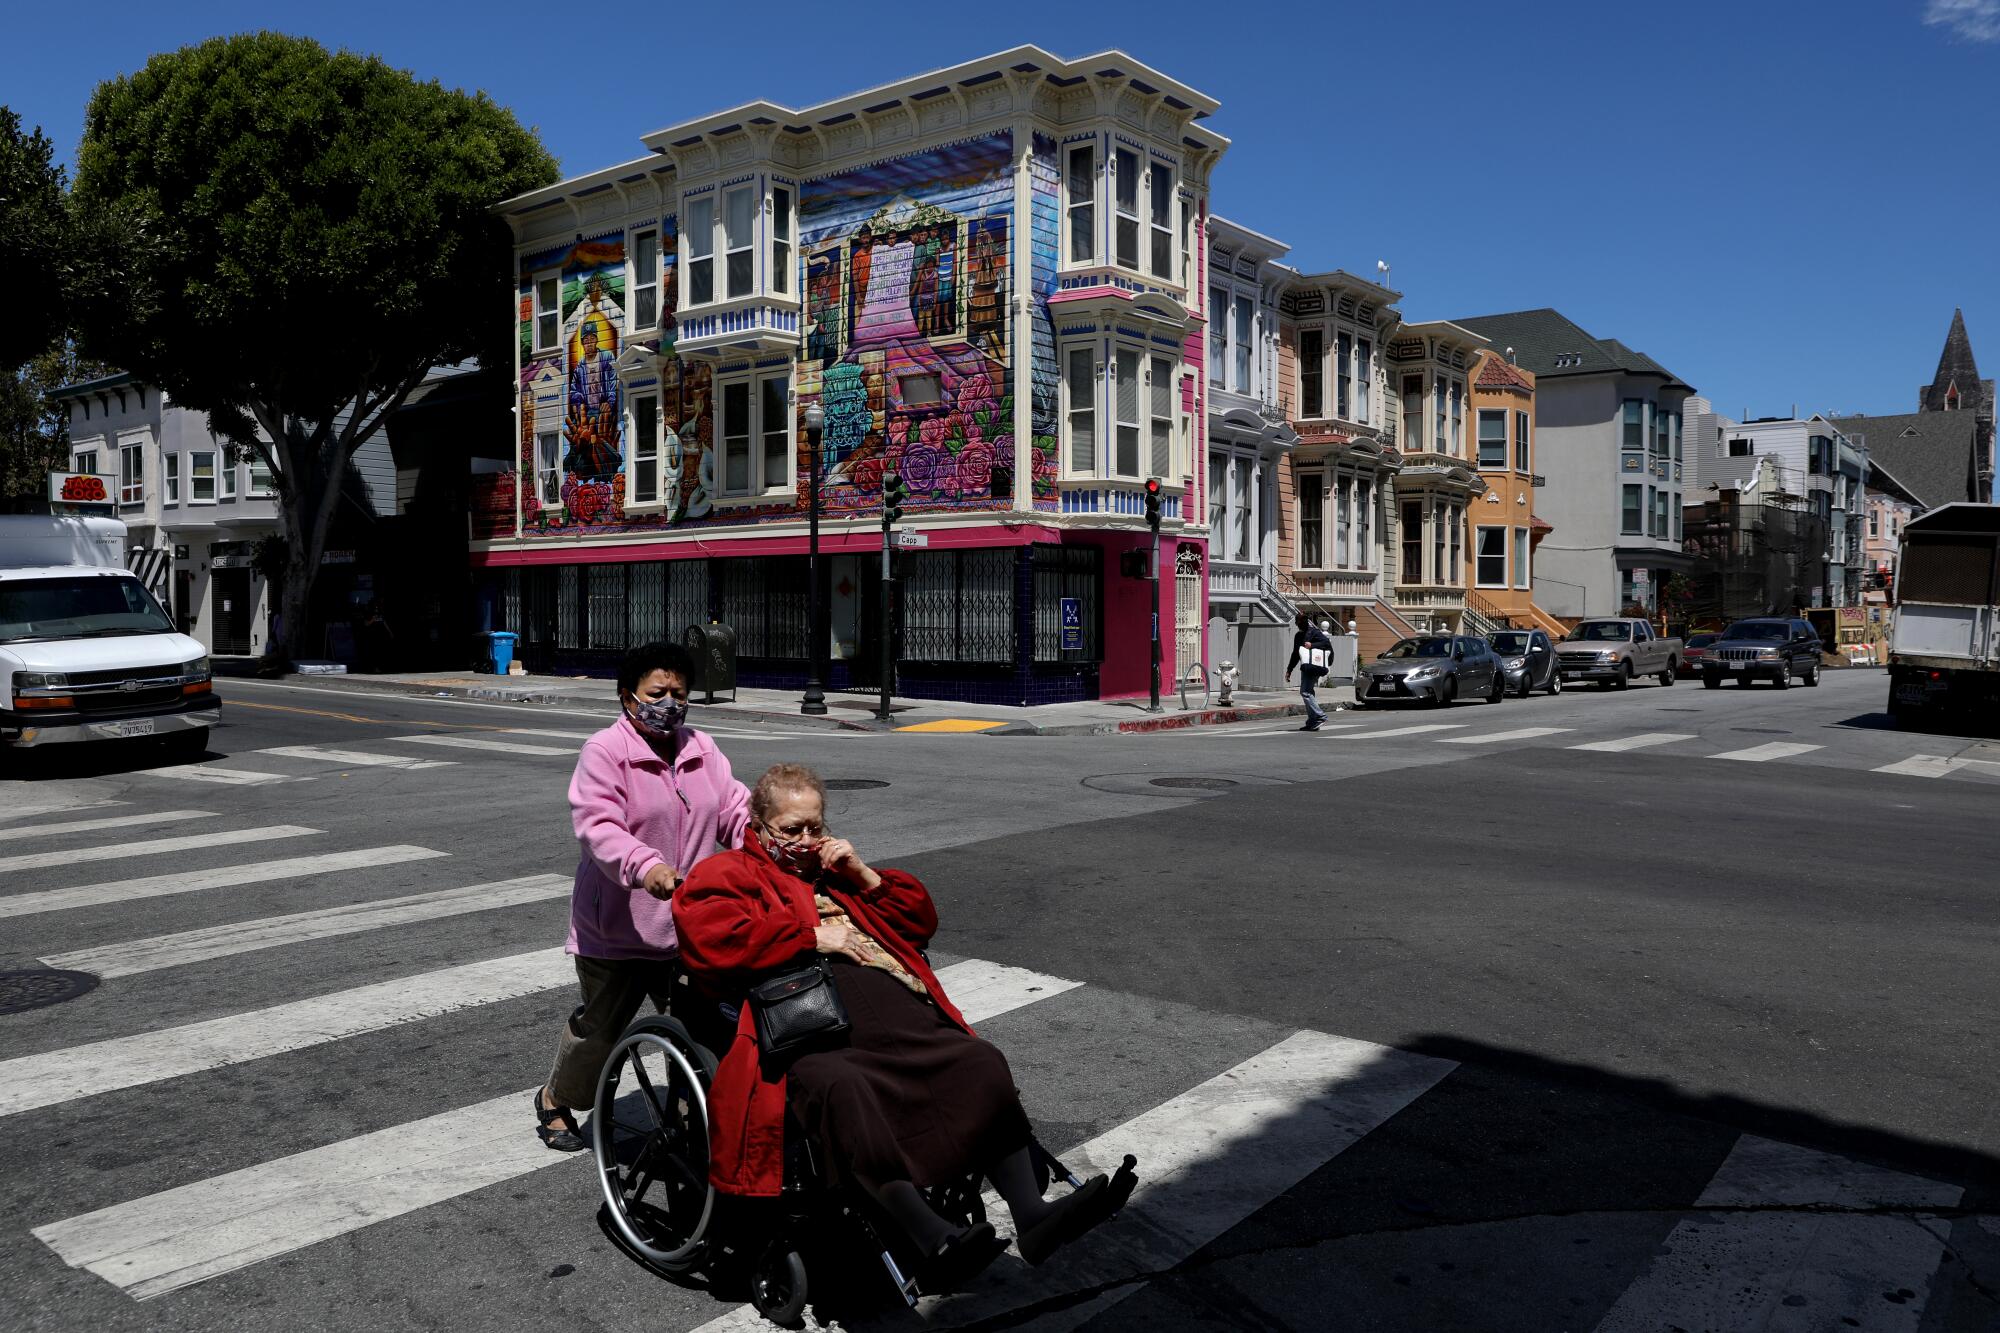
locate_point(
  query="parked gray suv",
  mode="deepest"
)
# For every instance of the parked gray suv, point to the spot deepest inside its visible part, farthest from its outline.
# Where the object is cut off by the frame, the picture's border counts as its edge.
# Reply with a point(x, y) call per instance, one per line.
point(1775, 650)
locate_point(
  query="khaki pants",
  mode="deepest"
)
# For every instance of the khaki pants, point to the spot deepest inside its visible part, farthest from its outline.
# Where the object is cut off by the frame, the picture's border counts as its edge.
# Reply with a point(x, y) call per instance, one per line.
point(613, 990)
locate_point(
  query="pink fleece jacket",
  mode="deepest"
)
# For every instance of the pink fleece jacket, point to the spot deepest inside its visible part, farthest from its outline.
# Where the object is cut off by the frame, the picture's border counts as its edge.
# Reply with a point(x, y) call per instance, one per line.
point(632, 810)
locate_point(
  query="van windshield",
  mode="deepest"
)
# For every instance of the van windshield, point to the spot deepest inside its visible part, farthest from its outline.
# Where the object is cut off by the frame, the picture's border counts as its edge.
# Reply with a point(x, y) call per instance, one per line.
point(80, 607)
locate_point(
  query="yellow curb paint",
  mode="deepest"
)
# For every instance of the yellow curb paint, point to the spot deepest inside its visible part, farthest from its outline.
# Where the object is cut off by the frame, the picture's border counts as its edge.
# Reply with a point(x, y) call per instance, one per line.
point(953, 724)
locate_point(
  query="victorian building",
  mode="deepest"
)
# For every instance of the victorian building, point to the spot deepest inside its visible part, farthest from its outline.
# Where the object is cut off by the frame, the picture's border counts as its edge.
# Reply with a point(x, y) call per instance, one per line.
point(988, 279)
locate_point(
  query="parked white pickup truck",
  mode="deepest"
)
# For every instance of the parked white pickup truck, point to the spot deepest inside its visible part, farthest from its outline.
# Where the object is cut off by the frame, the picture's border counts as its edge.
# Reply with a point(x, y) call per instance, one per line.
point(1614, 650)
point(86, 653)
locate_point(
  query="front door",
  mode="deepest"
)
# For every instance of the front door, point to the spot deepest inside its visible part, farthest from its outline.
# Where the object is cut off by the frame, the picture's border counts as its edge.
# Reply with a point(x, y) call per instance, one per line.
point(1187, 610)
point(184, 601)
point(230, 591)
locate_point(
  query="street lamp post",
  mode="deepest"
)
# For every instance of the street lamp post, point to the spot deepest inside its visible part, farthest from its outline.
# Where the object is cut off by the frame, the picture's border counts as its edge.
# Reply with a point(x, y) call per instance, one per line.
point(814, 704)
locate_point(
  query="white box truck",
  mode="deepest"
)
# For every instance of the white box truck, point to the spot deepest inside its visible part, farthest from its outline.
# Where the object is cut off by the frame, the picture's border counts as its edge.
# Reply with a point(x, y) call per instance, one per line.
point(86, 653)
point(1944, 647)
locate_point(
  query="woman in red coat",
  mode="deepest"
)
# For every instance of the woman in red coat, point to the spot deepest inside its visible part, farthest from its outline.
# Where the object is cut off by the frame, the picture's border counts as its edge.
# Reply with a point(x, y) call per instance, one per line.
point(910, 1098)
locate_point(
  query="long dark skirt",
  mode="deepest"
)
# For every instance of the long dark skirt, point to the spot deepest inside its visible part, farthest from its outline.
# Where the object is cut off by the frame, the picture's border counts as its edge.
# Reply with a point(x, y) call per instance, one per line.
point(910, 1096)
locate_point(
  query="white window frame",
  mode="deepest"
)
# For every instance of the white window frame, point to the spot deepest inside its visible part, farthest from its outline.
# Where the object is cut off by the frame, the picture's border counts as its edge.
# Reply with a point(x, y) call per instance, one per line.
point(1301, 509)
point(1160, 216)
point(1479, 442)
point(1221, 301)
point(132, 472)
point(1364, 374)
point(85, 462)
point(784, 238)
point(195, 478)
point(251, 489)
point(1123, 429)
point(1312, 366)
point(639, 283)
point(1343, 373)
point(1480, 554)
point(763, 440)
point(1162, 407)
point(1120, 217)
point(1082, 202)
point(1523, 556)
point(170, 478)
point(1524, 458)
point(1086, 412)
point(1343, 519)
point(1458, 418)
point(697, 248)
point(1243, 358)
point(551, 313)
point(643, 451)
point(225, 473)
point(745, 246)
point(549, 469)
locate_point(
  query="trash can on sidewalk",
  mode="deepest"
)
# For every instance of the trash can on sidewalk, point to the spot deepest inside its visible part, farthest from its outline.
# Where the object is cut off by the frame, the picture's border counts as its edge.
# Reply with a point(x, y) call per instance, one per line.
point(502, 654)
point(713, 648)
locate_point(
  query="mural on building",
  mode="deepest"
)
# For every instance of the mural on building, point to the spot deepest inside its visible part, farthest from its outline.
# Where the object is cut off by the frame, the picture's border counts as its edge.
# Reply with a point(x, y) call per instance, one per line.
point(1045, 227)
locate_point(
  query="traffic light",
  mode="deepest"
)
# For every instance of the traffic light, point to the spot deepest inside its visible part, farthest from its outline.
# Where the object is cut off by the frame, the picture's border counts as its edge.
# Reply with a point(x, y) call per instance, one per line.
point(1153, 503)
point(894, 493)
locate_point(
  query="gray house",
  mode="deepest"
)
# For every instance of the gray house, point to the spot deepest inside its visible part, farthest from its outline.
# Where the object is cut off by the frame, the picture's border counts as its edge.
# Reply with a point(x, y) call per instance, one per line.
point(1608, 446)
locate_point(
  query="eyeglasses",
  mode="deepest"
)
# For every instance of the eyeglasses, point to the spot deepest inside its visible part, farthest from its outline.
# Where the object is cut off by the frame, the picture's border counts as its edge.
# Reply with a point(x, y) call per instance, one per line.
point(807, 830)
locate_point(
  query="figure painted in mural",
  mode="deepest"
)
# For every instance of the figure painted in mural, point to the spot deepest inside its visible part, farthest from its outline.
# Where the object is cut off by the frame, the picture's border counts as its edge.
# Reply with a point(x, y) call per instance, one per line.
point(823, 306)
point(982, 308)
point(592, 427)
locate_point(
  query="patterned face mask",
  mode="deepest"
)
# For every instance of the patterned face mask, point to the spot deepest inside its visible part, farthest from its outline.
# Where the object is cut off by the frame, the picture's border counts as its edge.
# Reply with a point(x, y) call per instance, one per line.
point(798, 855)
point(660, 716)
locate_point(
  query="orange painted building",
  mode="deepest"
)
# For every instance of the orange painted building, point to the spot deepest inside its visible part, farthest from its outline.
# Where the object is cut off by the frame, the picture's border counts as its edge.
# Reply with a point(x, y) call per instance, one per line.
point(1501, 528)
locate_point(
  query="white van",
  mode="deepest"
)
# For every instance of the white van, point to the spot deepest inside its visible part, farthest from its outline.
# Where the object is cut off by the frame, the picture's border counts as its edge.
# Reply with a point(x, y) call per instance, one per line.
point(86, 653)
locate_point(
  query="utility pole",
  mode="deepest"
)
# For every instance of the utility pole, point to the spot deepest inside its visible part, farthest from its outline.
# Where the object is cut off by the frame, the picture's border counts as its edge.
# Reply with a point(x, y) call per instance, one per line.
point(894, 492)
point(1153, 522)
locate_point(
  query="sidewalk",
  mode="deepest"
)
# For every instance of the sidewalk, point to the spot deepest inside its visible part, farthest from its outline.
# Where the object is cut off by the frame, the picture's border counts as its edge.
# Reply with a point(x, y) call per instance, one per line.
point(845, 712)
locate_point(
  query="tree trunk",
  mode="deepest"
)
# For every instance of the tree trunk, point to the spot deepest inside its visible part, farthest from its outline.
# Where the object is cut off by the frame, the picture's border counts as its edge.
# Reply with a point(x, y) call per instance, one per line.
point(305, 512)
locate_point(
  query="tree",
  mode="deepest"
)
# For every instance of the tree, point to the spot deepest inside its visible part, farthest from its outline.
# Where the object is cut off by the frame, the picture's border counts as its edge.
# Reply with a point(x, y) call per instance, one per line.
point(34, 431)
point(289, 240)
point(34, 241)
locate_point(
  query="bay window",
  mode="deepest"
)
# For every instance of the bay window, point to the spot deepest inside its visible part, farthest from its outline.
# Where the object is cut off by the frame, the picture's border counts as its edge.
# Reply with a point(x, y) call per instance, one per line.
point(1522, 459)
point(131, 473)
point(1161, 205)
point(170, 470)
point(1125, 461)
point(1312, 373)
point(1490, 557)
point(1522, 574)
point(1441, 393)
point(548, 311)
point(1660, 433)
point(1312, 515)
point(548, 469)
point(1364, 511)
point(1458, 417)
point(1632, 520)
point(1413, 412)
point(1492, 437)
point(1080, 389)
point(1364, 375)
point(645, 280)
point(1125, 183)
point(1218, 497)
point(1661, 528)
point(1241, 346)
point(1343, 487)
point(739, 238)
point(781, 240)
point(1343, 379)
point(756, 428)
point(1240, 503)
point(225, 473)
point(260, 485)
point(1160, 419)
point(1218, 336)
point(1438, 525)
point(698, 238)
point(1080, 196)
point(642, 483)
point(201, 476)
point(1635, 425)
point(1412, 570)
point(1455, 524)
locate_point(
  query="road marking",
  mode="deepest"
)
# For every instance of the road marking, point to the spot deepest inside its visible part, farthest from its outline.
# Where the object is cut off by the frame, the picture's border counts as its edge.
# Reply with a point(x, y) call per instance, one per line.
point(166, 1241)
point(222, 877)
point(29, 1082)
point(1417, 730)
point(478, 743)
point(113, 851)
point(352, 758)
point(104, 822)
point(1817, 1259)
point(232, 777)
point(1764, 754)
point(559, 735)
point(48, 806)
point(1208, 1159)
point(1524, 734)
point(955, 724)
point(1924, 766)
point(1639, 742)
point(199, 946)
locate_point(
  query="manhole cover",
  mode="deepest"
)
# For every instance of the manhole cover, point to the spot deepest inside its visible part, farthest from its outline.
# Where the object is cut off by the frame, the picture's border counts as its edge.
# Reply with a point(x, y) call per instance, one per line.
point(854, 784)
point(21, 991)
point(1764, 731)
point(1199, 784)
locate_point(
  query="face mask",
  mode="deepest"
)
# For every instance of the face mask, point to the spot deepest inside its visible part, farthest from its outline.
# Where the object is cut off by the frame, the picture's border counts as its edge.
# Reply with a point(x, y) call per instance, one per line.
point(661, 716)
point(794, 854)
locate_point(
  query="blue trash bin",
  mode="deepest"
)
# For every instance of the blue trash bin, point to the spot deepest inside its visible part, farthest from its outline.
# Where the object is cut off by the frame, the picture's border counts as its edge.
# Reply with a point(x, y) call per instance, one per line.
point(503, 650)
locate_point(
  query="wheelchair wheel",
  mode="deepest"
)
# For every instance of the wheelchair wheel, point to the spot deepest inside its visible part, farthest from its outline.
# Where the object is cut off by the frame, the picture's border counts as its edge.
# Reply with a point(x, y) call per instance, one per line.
point(649, 1130)
point(778, 1285)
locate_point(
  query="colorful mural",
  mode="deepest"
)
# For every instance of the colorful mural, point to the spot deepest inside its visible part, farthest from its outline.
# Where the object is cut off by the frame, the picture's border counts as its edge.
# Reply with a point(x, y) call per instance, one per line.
point(1044, 229)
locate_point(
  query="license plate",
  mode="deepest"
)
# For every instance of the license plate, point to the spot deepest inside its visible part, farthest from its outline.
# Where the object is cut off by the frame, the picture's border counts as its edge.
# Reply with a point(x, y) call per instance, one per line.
point(1910, 694)
point(1739, 666)
point(137, 726)
point(1571, 675)
point(1383, 687)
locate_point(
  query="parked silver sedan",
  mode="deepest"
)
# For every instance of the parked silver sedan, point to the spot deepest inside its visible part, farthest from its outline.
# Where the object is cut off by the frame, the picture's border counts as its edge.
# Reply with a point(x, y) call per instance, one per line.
point(1432, 669)
point(1528, 658)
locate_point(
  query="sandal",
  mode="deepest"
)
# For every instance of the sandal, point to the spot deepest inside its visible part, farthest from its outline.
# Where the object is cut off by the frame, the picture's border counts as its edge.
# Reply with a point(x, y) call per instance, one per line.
point(961, 1258)
point(557, 1127)
point(1074, 1213)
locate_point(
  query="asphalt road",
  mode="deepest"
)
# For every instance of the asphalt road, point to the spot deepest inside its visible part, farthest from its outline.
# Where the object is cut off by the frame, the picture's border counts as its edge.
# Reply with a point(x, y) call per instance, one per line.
point(1452, 1027)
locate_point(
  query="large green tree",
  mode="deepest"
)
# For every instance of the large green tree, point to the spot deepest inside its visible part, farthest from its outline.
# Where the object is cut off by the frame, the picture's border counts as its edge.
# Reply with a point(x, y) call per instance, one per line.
point(34, 428)
point(290, 239)
point(35, 253)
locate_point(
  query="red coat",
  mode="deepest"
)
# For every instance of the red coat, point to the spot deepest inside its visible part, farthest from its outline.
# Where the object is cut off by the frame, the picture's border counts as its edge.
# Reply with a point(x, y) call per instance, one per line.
point(737, 915)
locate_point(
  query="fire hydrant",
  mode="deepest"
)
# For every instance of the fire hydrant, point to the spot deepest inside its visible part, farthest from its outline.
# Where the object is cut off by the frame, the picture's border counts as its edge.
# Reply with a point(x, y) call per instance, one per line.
point(1226, 677)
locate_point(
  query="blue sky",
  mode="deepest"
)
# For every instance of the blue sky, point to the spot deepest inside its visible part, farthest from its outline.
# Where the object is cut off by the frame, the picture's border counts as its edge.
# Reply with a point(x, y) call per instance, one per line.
point(1782, 200)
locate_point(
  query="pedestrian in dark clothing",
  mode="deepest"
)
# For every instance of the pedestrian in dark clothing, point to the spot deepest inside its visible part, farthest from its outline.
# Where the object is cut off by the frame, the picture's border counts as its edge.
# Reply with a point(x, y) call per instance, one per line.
point(1311, 654)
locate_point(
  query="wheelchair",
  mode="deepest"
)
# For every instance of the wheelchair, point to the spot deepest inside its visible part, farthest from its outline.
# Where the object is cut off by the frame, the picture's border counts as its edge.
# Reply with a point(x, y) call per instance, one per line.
point(649, 1133)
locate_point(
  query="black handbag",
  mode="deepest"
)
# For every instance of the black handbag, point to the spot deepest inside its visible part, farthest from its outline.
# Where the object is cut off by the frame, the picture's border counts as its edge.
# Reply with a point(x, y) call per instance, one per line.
point(798, 1007)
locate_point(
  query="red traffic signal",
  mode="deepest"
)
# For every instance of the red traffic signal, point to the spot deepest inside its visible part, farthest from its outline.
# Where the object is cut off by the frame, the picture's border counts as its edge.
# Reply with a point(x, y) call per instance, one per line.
point(1153, 503)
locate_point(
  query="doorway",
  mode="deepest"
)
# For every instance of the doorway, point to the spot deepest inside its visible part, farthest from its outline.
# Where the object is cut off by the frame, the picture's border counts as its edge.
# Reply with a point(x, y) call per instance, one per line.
point(230, 592)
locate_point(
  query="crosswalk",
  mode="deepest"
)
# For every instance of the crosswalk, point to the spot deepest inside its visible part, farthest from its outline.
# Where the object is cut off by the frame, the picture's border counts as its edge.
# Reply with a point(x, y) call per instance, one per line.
point(1222, 1140)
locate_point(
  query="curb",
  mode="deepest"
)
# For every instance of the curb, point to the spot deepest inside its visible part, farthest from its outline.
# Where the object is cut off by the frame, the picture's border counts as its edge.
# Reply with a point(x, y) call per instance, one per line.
point(1207, 717)
point(529, 695)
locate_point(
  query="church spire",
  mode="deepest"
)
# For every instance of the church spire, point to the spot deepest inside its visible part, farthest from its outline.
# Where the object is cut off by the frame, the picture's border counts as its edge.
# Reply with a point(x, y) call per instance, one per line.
point(1957, 385)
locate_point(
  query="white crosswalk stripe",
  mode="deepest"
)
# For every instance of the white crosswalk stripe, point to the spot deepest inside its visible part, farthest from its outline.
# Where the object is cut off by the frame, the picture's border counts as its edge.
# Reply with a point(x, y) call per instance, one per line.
point(166, 1241)
point(1642, 741)
point(197, 946)
point(103, 822)
point(17, 806)
point(227, 777)
point(1772, 1262)
point(1417, 730)
point(352, 758)
point(194, 881)
point(1764, 754)
point(1925, 766)
point(114, 851)
point(480, 743)
point(1494, 738)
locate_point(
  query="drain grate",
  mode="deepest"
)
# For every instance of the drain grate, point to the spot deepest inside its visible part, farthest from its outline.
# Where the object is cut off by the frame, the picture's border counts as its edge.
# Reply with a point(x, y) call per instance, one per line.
point(1197, 784)
point(854, 784)
point(21, 991)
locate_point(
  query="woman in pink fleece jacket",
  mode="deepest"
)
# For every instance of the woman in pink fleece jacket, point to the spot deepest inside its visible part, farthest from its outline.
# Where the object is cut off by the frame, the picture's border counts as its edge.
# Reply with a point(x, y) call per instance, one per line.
point(651, 796)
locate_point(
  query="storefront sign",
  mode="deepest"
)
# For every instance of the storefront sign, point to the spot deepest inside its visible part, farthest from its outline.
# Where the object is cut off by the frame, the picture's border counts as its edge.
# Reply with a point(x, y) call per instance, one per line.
point(78, 493)
point(336, 557)
point(1072, 624)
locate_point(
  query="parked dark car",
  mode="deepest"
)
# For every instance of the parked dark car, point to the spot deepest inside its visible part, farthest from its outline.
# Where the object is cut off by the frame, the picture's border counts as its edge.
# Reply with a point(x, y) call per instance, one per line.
point(1775, 650)
point(1434, 669)
point(1527, 660)
point(1696, 650)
